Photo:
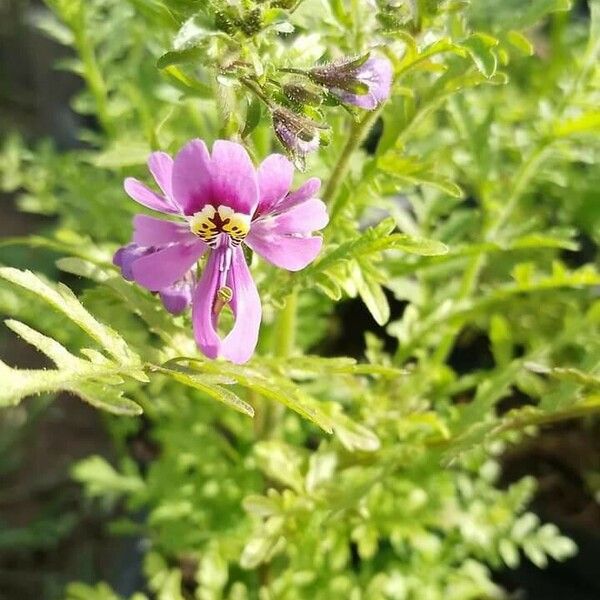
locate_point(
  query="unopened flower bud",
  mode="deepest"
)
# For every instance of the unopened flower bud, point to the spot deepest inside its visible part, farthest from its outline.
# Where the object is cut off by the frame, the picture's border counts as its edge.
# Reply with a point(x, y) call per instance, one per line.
point(298, 135)
point(299, 94)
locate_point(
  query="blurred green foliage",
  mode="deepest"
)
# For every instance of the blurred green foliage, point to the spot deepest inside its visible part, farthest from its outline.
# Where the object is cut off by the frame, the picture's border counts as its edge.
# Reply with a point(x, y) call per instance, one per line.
point(470, 198)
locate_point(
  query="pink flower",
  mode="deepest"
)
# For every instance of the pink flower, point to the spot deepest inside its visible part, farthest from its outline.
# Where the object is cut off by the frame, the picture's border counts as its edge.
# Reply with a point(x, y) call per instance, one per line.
point(218, 202)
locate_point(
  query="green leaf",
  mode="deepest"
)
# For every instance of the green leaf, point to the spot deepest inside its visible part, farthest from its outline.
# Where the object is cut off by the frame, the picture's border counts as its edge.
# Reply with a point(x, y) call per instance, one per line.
point(20, 383)
point(176, 57)
point(62, 299)
point(267, 384)
point(519, 41)
point(371, 293)
point(588, 122)
point(253, 115)
point(214, 391)
point(122, 153)
point(501, 340)
point(59, 355)
point(100, 478)
point(409, 170)
point(189, 85)
point(82, 591)
point(479, 47)
point(570, 374)
point(280, 462)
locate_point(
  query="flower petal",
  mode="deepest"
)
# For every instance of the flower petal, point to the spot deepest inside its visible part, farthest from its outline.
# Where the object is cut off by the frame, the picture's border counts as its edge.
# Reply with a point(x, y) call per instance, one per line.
point(148, 231)
point(126, 255)
point(240, 343)
point(161, 167)
point(192, 187)
point(275, 175)
point(164, 267)
point(377, 73)
point(146, 197)
point(203, 318)
point(234, 181)
point(285, 251)
point(307, 190)
point(305, 217)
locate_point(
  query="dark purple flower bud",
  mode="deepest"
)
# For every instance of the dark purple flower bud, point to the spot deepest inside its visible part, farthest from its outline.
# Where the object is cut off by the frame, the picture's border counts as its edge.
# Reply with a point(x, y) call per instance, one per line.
point(364, 82)
point(298, 135)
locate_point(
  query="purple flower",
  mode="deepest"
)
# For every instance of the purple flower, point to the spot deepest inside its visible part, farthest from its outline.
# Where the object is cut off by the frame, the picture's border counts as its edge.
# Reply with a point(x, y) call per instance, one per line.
point(364, 82)
point(218, 202)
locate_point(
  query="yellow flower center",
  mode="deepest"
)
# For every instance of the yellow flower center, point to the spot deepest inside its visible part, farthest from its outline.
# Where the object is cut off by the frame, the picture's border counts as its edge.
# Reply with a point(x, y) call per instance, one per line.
point(209, 223)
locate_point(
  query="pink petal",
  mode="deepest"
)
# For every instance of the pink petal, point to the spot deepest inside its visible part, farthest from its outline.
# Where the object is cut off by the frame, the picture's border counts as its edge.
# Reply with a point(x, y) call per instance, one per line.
point(234, 181)
point(161, 167)
point(275, 176)
point(148, 231)
point(306, 217)
point(240, 343)
point(164, 267)
point(146, 197)
point(192, 187)
point(203, 318)
point(308, 190)
point(284, 251)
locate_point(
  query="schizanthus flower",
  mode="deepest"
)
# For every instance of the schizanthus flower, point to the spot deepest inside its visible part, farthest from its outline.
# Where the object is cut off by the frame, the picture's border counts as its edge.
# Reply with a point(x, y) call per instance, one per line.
point(219, 202)
point(364, 82)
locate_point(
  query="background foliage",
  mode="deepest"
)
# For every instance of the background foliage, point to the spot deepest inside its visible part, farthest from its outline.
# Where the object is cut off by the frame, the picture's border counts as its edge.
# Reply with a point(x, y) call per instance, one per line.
point(466, 207)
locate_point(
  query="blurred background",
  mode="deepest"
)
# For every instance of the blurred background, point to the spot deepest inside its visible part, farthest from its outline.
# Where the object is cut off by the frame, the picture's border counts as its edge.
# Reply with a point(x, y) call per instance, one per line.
point(49, 533)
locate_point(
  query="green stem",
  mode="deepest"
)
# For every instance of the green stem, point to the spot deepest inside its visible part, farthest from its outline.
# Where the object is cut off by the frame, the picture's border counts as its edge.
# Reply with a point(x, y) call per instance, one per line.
point(340, 171)
point(256, 90)
point(94, 79)
point(286, 327)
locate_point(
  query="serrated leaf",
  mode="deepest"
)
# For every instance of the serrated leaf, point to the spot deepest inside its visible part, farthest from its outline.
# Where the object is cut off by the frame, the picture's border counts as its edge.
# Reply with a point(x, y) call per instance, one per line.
point(51, 348)
point(20, 383)
point(63, 300)
point(267, 384)
point(214, 391)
